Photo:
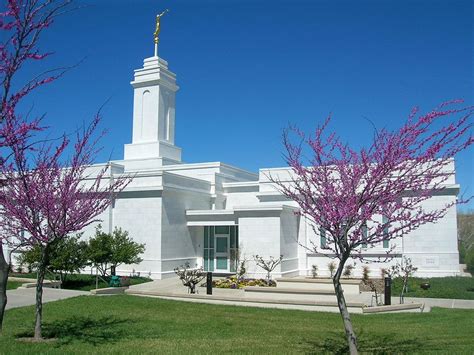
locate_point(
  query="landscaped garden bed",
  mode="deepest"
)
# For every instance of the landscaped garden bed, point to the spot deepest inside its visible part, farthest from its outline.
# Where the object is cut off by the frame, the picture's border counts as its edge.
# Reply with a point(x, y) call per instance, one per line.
point(234, 283)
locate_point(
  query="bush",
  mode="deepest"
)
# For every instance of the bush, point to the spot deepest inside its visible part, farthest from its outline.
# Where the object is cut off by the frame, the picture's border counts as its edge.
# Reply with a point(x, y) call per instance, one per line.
point(107, 251)
point(348, 270)
point(469, 259)
point(462, 253)
point(67, 256)
point(332, 268)
point(234, 282)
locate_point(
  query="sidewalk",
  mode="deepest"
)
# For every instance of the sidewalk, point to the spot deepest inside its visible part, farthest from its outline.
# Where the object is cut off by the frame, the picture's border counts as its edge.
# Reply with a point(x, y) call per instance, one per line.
point(26, 296)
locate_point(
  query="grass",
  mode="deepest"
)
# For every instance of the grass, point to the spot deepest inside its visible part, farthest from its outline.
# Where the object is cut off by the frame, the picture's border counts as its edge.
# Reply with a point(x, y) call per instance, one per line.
point(84, 282)
point(131, 324)
point(12, 285)
point(441, 287)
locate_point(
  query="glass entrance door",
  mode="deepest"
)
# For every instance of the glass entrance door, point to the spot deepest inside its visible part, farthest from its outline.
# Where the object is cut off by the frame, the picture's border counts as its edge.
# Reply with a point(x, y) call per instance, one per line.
point(221, 248)
point(222, 252)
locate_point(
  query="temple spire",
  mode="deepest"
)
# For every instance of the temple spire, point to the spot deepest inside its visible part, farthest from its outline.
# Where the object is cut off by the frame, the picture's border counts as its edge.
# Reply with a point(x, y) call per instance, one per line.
point(156, 34)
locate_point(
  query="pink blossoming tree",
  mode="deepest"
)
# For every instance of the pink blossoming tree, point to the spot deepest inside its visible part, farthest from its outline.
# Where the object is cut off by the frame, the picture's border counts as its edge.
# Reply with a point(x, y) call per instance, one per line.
point(21, 25)
point(360, 198)
point(44, 196)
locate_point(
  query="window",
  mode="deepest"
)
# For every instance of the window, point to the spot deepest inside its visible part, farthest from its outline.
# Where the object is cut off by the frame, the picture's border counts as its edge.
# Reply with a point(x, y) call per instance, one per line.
point(222, 229)
point(364, 235)
point(322, 238)
point(386, 243)
point(209, 248)
point(234, 248)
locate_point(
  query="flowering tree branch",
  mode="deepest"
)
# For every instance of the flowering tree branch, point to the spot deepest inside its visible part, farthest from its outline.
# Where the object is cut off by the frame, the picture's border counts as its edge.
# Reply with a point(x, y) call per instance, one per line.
point(360, 198)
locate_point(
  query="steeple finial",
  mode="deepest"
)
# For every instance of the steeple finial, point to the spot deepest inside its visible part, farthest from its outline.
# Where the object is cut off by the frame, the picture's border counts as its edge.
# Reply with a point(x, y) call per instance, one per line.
point(157, 31)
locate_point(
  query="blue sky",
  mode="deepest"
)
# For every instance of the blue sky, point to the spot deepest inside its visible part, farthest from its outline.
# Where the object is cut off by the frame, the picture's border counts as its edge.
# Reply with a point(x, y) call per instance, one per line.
point(249, 68)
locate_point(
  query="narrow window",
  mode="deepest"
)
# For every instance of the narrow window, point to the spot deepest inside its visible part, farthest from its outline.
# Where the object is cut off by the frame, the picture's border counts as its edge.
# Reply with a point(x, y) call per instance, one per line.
point(364, 235)
point(322, 234)
point(385, 232)
point(208, 248)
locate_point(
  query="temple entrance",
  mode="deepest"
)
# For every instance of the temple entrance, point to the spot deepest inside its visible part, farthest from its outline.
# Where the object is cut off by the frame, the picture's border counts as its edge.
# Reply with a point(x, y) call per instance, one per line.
point(220, 248)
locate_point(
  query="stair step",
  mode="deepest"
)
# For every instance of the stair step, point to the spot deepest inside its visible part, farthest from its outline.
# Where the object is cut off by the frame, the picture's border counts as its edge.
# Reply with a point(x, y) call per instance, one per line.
point(291, 294)
point(316, 305)
point(288, 290)
point(350, 286)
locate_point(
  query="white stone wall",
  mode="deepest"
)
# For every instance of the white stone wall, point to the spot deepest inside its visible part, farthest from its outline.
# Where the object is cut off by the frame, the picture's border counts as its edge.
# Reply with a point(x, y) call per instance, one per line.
point(433, 247)
point(289, 225)
point(259, 235)
point(139, 213)
point(180, 243)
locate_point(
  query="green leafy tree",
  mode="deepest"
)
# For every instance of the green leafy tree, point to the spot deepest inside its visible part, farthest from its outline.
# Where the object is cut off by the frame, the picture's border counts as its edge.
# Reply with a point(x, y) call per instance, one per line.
point(466, 235)
point(107, 251)
point(68, 255)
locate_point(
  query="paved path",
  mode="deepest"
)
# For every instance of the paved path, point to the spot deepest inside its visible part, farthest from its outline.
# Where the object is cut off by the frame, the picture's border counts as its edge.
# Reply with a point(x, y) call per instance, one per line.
point(26, 296)
point(440, 302)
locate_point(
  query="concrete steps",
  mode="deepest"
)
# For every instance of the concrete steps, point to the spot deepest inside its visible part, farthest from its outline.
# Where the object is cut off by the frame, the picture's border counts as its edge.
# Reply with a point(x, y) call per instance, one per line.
point(350, 286)
point(269, 302)
point(272, 298)
point(290, 294)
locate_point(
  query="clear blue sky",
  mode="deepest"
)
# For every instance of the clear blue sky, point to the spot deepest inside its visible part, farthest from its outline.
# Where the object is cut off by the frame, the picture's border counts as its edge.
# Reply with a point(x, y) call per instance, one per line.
point(248, 68)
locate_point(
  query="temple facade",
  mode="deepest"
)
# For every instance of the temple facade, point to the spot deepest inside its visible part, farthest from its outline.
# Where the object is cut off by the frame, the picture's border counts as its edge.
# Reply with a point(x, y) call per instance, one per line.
point(210, 214)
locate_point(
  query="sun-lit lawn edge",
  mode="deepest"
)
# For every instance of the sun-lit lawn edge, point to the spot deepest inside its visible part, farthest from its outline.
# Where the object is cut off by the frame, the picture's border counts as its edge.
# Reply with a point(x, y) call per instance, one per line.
point(13, 285)
point(440, 287)
point(143, 325)
point(84, 282)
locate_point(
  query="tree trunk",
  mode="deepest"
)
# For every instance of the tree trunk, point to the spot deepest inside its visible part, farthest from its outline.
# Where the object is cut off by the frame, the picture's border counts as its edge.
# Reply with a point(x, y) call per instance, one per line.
point(39, 292)
point(341, 303)
point(4, 269)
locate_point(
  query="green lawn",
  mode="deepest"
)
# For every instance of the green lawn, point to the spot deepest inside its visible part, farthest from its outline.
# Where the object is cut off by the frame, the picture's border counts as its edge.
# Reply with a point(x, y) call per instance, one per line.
point(12, 285)
point(84, 282)
point(131, 324)
point(441, 287)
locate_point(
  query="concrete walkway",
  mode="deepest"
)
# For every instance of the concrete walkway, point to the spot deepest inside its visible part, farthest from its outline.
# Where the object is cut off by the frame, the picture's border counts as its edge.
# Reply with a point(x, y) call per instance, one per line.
point(26, 296)
point(173, 288)
point(439, 302)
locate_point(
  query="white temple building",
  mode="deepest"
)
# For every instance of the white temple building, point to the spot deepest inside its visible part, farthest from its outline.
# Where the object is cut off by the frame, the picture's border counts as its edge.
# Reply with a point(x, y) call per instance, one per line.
point(206, 213)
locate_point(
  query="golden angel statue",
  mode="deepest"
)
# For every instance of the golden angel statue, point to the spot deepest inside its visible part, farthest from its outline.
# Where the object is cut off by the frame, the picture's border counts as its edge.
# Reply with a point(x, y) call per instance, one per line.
point(158, 27)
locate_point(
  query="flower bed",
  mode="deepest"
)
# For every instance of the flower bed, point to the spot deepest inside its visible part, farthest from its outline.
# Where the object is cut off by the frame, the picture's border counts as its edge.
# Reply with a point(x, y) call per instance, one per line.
point(232, 282)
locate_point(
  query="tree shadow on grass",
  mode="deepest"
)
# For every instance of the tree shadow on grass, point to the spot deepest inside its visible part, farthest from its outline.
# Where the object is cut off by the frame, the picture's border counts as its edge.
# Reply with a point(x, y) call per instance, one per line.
point(336, 343)
point(94, 331)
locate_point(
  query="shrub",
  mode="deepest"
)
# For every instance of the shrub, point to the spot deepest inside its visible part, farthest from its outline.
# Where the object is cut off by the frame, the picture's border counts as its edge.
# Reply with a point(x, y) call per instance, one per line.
point(107, 251)
point(332, 268)
point(348, 270)
point(268, 265)
point(67, 256)
point(469, 259)
point(235, 283)
point(370, 283)
point(314, 271)
point(190, 277)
